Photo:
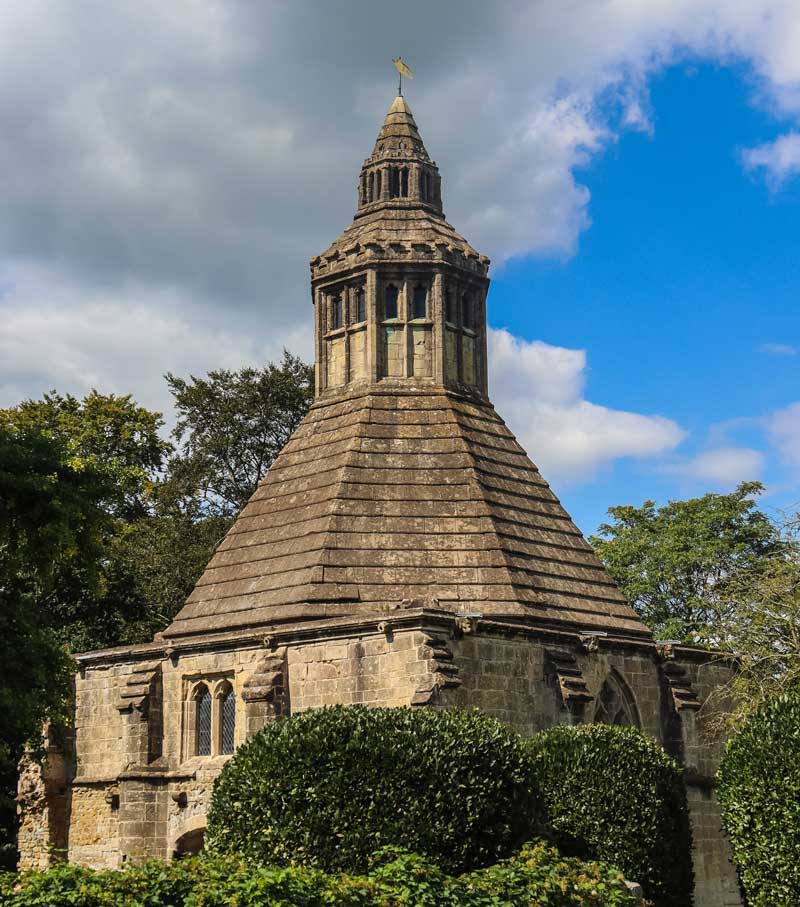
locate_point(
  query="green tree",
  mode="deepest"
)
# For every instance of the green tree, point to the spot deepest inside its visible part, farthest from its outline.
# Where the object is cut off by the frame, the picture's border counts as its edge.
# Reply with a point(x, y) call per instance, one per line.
point(118, 442)
point(118, 438)
point(678, 563)
point(762, 626)
point(231, 426)
point(51, 519)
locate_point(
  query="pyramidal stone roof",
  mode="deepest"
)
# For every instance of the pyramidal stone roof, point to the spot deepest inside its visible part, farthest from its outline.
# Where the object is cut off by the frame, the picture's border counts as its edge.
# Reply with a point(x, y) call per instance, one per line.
point(402, 491)
point(384, 498)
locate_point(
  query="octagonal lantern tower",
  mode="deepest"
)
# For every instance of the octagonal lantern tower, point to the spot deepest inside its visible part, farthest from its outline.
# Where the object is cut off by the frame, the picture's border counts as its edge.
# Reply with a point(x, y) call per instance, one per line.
point(400, 296)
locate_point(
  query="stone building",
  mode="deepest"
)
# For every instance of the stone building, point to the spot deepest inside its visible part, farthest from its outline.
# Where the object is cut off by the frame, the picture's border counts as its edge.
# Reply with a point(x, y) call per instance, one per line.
point(402, 550)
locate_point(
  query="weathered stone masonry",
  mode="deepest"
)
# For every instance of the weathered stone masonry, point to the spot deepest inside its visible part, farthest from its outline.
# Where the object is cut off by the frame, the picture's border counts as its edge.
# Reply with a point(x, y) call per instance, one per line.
point(402, 550)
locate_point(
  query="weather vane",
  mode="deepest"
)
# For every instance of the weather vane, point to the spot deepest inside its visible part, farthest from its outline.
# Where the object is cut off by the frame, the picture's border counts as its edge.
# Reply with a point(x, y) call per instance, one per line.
point(403, 70)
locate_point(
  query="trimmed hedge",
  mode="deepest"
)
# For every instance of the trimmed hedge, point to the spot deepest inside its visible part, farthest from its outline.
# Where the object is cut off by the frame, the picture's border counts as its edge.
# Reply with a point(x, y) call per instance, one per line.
point(538, 875)
point(759, 792)
point(329, 787)
point(611, 794)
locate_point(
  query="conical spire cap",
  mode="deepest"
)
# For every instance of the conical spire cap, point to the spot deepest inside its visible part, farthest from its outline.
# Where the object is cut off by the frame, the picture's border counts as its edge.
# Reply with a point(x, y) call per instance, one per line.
point(399, 136)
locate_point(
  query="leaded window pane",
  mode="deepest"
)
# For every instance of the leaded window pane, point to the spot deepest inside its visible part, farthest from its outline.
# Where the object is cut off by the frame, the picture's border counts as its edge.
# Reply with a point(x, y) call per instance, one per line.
point(390, 309)
point(204, 724)
point(228, 722)
point(420, 304)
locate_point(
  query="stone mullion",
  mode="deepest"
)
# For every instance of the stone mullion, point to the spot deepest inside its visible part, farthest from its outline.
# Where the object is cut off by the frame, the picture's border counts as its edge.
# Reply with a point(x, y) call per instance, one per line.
point(438, 353)
point(322, 326)
point(458, 289)
point(482, 345)
point(414, 189)
point(405, 314)
point(347, 310)
point(216, 724)
point(373, 326)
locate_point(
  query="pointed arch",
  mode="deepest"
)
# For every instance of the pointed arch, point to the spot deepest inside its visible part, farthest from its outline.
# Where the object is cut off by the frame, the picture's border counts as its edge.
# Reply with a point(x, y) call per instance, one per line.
point(615, 703)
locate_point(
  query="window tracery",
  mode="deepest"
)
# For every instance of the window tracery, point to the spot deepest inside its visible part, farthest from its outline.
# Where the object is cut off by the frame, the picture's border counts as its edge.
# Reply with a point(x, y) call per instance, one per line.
point(615, 704)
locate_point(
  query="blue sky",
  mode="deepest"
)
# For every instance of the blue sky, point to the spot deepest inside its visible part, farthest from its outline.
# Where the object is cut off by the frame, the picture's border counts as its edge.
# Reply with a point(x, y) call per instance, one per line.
point(632, 167)
point(682, 291)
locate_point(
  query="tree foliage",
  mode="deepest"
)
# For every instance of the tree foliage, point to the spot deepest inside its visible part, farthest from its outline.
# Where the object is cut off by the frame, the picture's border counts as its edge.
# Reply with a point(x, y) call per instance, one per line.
point(611, 794)
point(762, 626)
point(102, 537)
point(51, 519)
point(676, 563)
point(329, 786)
point(759, 792)
point(113, 435)
point(231, 426)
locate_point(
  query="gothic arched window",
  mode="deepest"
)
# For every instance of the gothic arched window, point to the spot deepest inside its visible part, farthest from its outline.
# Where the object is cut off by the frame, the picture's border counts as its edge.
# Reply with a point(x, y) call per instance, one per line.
point(420, 302)
point(615, 704)
point(202, 699)
point(361, 305)
point(227, 722)
point(390, 302)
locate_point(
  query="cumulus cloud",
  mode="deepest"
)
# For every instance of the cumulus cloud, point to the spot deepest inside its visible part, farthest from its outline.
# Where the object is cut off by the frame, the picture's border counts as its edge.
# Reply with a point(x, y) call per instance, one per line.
point(538, 389)
point(167, 170)
point(783, 428)
point(56, 333)
point(779, 160)
point(722, 466)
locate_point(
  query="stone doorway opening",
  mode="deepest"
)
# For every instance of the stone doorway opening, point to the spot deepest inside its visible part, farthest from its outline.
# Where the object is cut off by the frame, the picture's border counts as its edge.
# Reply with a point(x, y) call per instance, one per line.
point(189, 843)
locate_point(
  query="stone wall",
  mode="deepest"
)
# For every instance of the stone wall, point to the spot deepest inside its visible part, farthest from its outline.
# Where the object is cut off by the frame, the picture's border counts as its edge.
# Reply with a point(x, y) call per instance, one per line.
point(133, 799)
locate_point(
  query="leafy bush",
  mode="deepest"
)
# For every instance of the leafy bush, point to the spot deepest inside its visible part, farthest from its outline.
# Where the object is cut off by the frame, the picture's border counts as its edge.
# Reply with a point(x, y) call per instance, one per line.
point(154, 884)
point(759, 791)
point(613, 795)
point(330, 786)
point(538, 875)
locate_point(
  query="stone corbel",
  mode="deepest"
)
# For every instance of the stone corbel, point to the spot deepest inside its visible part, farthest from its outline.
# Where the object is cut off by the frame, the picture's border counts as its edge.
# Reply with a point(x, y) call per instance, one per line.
point(680, 687)
point(265, 692)
point(135, 692)
point(441, 666)
point(566, 673)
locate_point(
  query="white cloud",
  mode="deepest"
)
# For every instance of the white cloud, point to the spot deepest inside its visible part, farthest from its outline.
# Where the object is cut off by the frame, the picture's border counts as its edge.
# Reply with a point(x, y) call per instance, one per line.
point(56, 333)
point(538, 389)
point(783, 428)
point(779, 160)
point(778, 349)
point(167, 170)
point(725, 466)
